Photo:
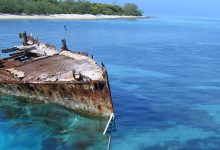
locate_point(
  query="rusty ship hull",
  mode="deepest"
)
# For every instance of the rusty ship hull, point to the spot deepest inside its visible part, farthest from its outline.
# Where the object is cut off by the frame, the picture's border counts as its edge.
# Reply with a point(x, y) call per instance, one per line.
point(37, 72)
point(78, 97)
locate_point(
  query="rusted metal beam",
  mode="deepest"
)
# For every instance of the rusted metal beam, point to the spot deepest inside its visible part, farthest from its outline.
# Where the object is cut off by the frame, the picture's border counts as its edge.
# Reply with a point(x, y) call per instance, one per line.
point(64, 46)
point(16, 54)
point(23, 36)
point(8, 50)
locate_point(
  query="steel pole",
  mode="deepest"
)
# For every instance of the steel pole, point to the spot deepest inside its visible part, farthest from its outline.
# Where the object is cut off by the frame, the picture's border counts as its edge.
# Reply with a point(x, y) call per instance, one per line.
point(109, 142)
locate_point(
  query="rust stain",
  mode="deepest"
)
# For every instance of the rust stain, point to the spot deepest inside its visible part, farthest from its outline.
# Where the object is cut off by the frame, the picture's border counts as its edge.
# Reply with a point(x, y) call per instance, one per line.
point(38, 72)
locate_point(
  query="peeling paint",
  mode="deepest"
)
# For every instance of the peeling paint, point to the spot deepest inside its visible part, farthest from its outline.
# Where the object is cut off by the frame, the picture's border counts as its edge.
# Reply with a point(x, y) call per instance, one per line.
point(36, 71)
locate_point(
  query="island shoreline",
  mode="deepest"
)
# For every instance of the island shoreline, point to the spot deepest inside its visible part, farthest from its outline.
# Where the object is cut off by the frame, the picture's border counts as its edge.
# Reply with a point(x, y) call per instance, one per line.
point(67, 17)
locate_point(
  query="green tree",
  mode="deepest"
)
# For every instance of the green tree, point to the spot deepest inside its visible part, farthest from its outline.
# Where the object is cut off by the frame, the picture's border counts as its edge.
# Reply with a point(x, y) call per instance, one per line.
point(131, 9)
point(66, 7)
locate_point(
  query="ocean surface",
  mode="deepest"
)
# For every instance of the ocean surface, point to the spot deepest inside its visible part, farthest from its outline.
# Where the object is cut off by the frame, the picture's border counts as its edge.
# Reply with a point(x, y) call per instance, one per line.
point(165, 82)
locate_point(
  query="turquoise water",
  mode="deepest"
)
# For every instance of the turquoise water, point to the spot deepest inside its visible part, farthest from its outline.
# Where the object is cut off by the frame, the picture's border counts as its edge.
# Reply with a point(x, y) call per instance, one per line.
point(165, 81)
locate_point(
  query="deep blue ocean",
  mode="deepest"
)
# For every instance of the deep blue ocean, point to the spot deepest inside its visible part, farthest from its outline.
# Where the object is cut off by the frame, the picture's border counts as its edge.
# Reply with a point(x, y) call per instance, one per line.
point(165, 82)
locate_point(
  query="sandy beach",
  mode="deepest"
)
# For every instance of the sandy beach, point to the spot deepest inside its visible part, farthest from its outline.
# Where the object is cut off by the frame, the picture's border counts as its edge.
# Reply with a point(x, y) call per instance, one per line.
point(68, 17)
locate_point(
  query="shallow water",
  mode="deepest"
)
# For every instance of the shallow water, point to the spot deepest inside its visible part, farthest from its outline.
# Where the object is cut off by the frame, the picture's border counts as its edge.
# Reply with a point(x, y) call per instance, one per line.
point(165, 81)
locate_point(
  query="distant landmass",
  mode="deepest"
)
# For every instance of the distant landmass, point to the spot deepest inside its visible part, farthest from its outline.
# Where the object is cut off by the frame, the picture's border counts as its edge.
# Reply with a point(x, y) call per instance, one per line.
point(48, 7)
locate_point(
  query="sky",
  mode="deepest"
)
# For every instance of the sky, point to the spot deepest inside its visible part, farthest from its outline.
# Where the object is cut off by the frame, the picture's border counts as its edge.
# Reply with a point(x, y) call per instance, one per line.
point(201, 8)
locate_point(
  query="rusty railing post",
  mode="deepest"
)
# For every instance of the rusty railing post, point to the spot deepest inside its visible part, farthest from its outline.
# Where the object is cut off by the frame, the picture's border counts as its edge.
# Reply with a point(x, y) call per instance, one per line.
point(64, 46)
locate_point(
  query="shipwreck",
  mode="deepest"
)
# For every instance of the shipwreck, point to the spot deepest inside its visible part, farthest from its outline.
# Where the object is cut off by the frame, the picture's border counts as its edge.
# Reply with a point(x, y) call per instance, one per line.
point(36, 71)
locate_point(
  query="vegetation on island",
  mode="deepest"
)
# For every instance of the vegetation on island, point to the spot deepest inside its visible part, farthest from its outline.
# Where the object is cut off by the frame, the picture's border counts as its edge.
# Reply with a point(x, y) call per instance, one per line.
point(66, 7)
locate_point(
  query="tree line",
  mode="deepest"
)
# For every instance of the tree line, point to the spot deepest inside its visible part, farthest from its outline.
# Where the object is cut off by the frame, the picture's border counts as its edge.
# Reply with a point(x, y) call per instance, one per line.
point(66, 7)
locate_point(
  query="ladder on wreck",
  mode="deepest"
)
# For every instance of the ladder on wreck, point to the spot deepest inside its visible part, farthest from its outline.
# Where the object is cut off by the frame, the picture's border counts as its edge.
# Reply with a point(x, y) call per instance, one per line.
point(109, 129)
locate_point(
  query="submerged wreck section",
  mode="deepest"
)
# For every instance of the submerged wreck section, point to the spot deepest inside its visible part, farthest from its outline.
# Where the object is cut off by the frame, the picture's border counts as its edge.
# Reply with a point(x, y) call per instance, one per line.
point(37, 71)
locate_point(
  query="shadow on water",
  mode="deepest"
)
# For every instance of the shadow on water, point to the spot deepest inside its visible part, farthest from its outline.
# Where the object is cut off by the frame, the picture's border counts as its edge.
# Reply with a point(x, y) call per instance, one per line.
point(52, 126)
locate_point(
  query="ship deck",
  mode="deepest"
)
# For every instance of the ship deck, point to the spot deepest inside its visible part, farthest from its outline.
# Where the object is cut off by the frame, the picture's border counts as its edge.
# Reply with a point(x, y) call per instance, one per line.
point(56, 68)
point(36, 71)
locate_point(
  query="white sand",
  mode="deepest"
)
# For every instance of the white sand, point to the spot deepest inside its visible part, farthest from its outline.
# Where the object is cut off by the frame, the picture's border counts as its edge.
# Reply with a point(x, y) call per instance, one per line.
point(68, 16)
